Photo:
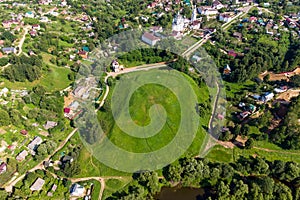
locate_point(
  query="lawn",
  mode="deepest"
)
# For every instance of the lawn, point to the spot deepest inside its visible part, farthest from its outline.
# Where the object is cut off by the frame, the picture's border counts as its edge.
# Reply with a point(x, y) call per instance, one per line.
point(141, 111)
point(221, 154)
point(114, 185)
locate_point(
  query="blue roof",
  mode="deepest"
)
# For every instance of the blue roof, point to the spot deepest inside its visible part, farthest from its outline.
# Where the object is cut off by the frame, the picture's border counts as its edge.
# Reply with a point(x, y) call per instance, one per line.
point(85, 48)
point(8, 49)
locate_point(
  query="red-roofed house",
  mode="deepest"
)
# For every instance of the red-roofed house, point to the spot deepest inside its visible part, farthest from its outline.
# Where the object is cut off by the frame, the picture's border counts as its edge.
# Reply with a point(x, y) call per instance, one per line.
point(232, 53)
point(36, 27)
point(24, 132)
point(67, 110)
point(83, 54)
point(3, 167)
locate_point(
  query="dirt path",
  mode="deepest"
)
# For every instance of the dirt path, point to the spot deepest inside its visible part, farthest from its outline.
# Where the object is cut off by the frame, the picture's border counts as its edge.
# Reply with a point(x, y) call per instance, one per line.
point(26, 28)
point(127, 70)
point(276, 151)
point(9, 185)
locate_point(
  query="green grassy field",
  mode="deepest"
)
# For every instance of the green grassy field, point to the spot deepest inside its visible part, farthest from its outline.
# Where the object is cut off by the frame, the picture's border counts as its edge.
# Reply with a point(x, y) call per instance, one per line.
point(113, 185)
point(270, 152)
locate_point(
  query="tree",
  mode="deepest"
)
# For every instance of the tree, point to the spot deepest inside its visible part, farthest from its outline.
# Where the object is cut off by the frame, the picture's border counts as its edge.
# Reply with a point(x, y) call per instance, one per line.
point(222, 191)
point(4, 118)
point(295, 80)
point(267, 78)
point(249, 143)
point(4, 61)
point(240, 189)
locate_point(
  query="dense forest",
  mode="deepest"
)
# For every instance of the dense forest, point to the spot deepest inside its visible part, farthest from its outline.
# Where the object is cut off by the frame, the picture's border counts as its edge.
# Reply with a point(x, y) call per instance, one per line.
point(23, 68)
point(288, 134)
point(247, 178)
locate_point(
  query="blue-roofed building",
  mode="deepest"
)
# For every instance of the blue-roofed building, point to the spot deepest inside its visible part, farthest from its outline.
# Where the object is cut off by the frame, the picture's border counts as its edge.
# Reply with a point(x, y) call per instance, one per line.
point(8, 50)
point(85, 48)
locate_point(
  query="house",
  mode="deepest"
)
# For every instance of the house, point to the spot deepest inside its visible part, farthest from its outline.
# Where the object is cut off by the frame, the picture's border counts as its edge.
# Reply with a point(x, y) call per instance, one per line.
point(4, 92)
point(32, 33)
point(29, 14)
point(281, 89)
point(238, 35)
point(251, 108)
point(21, 156)
point(6, 24)
point(44, 19)
point(83, 54)
point(35, 143)
point(150, 39)
point(156, 29)
point(67, 110)
point(63, 3)
point(207, 10)
point(36, 27)
point(85, 48)
point(37, 185)
point(245, 114)
point(225, 17)
point(24, 132)
point(50, 124)
point(227, 70)
point(252, 19)
point(242, 105)
point(220, 116)
point(3, 167)
point(256, 97)
point(217, 5)
point(196, 58)
point(232, 53)
point(77, 190)
point(67, 159)
point(177, 35)
point(267, 96)
point(53, 189)
point(116, 66)
point(195, 25)
point(8, 50)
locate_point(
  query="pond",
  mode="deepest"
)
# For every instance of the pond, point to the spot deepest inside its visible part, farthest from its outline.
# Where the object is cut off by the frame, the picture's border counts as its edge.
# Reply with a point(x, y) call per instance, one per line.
point(180, 193)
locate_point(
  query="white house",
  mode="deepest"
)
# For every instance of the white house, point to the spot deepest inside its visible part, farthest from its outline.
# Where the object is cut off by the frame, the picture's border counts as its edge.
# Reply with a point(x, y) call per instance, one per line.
point(4, 92)
point(217, 5)
point(195, 25)
point(207, 10)
point(116, 66)
point(267, 96)
point(150, 39)
point(77, 190)
point(29, 14)
point(224, 17)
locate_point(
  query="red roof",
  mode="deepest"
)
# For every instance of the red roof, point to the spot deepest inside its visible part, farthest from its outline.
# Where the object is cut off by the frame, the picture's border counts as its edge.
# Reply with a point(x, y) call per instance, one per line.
point(67, 110)
point(232, 53)
point(150, 36)
point(24, 132)
point(82, 52)
point(220, 117)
